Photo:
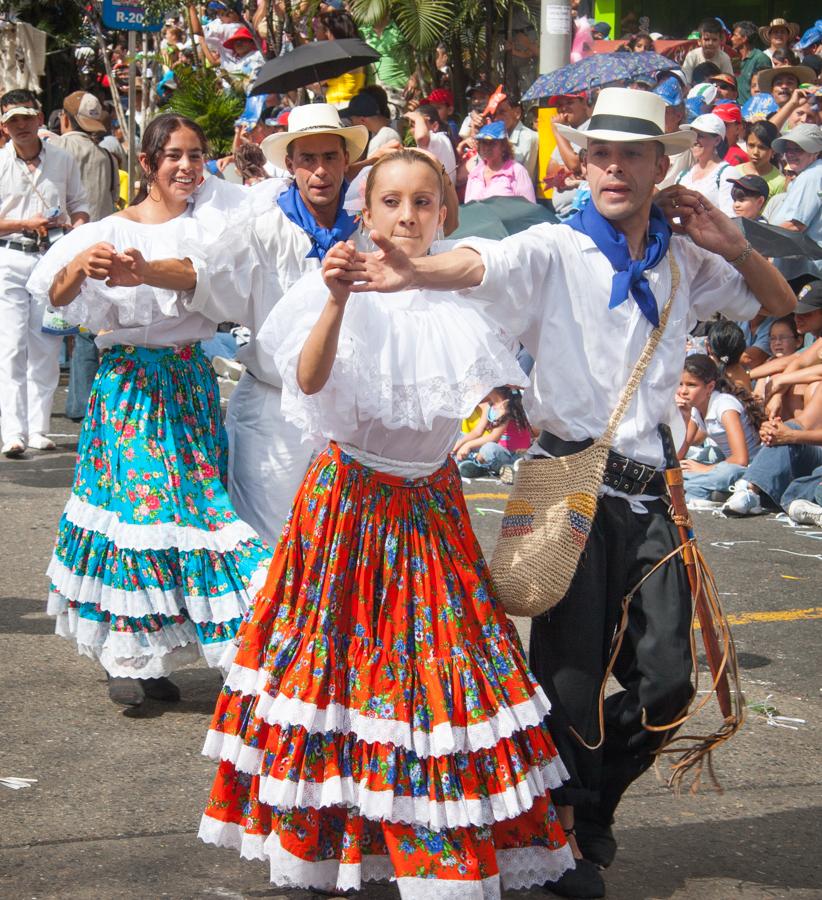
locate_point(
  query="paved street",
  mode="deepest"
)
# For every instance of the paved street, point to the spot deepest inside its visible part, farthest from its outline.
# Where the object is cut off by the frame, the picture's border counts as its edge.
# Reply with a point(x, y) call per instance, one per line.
point(114, 810)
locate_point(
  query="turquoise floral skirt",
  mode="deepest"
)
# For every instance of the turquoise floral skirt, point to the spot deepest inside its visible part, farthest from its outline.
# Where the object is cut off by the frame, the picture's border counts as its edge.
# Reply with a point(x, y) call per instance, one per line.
point(152, 568)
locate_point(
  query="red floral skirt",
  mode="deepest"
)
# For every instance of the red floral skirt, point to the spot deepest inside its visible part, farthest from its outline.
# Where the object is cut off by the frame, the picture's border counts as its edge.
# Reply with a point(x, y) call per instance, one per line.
point(379, 719)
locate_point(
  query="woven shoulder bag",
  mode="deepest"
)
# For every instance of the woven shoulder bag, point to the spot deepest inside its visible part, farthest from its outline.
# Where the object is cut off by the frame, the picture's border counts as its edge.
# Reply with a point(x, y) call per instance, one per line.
point(552, 505)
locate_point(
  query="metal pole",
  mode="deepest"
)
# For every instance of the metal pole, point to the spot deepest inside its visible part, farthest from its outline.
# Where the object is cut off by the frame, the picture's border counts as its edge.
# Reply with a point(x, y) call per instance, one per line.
point(132, 111)
point(555, 35)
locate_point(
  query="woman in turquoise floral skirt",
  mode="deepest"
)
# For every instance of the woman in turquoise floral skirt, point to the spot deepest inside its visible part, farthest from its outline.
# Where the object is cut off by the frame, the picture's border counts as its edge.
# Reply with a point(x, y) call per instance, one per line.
point(152, 567)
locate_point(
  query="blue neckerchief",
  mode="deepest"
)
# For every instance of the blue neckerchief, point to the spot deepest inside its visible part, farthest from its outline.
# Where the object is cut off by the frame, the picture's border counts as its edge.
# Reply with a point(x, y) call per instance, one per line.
point(629, 274)
point(322, 239)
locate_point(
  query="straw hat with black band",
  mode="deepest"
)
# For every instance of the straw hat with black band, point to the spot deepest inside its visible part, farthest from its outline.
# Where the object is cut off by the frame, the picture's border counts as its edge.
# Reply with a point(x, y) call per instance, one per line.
point(624, 115)
point(313, 119)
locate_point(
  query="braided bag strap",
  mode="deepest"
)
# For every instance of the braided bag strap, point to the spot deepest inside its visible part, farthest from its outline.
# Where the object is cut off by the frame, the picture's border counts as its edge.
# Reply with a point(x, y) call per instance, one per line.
point(644, 359)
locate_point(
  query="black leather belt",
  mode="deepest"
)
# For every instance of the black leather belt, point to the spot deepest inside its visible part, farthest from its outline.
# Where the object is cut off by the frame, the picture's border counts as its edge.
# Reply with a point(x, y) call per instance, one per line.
point(19, 245)
point(622, 473)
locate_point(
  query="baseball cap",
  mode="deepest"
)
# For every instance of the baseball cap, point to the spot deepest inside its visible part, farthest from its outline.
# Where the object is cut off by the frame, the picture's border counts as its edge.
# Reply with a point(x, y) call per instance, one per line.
point(440, 95)
point(708, 123)
point(723, 78)
point(482, 87)
point(808, 137)
point(752, 183)
point(728, 112)
point(18, 111)
point(671, 92)
point(363, 104)
point(603, 29)
point(86, 110)
point(494, 131)
point(809, 299)
point(282, 118)
point(812, 36)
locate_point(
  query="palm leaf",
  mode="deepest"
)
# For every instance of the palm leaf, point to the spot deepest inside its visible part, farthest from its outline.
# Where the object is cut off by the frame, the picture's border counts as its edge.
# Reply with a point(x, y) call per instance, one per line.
point(200, 96)
point(423, 22)
point(369, 12)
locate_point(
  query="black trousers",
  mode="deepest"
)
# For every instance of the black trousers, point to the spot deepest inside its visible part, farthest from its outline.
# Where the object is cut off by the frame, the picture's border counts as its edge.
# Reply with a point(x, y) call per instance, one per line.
point(570, 648)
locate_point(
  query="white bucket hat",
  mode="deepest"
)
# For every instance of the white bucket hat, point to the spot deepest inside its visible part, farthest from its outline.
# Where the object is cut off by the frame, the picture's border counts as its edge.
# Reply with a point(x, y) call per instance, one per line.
point(623, 115)
point(314, 118)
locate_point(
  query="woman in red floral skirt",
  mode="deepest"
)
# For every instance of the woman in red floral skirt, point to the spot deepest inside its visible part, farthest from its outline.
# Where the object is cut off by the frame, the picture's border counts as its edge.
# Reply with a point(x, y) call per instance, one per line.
point(379, 719)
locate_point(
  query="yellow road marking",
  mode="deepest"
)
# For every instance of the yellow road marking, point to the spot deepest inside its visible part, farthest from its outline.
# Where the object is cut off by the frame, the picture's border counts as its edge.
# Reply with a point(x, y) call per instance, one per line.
point(782, 615)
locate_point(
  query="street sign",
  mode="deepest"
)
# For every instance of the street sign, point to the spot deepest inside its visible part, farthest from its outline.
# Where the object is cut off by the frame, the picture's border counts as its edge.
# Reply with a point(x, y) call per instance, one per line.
point(127, 16)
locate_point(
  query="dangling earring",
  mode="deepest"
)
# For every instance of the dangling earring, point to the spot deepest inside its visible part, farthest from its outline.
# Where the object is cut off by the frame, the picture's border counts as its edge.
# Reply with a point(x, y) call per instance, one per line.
point(439, 235)
point(366, 244)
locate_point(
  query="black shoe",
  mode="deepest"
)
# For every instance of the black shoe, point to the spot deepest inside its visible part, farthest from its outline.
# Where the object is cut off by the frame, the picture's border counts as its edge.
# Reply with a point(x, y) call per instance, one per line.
point(126, 691)
point(596, 842)
point(161, 689)
point(719, 496)
point(584, 882)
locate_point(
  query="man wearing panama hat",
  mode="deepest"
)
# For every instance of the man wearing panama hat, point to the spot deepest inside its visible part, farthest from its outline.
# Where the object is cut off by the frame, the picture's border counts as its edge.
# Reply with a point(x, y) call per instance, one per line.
point(267, 459)
point(583, 297)
point(782, 81)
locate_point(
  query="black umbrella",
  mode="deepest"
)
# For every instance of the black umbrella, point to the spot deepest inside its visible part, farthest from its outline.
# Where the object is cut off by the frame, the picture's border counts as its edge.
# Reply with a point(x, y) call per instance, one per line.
point(771, 240)
point(317, 61)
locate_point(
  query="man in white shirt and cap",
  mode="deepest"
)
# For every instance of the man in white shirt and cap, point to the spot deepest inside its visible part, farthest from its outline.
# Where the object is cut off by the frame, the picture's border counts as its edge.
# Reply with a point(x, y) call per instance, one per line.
point(267, 458)
point(583, 298)
point(41, 193)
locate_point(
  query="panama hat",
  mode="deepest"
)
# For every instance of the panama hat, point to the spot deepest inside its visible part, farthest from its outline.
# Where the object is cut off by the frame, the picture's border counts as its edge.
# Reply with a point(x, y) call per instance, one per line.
point(791, 27)
point(802, 74)
point(621, 114)
point(314, 118)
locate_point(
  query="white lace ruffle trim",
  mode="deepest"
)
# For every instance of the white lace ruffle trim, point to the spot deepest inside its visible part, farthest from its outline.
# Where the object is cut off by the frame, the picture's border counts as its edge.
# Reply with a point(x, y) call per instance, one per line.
point(385, 805)
point(519, 867)
point(154, 654)
point(150, 601)
point(442, 740)
point(160, 536)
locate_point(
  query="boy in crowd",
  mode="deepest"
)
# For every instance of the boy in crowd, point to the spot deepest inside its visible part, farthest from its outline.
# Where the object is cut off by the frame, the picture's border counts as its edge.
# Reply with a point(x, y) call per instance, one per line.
point(709, 50)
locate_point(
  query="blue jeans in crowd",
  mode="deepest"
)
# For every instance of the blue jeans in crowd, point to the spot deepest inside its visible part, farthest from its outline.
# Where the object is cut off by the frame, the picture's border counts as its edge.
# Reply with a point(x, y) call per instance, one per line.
point(719, 478)
point(85, 361)
point(788, 472)
point(491, 457)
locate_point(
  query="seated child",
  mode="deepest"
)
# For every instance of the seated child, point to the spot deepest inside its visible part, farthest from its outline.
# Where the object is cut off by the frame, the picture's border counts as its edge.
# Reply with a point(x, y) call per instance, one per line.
point(724, 423)
point(501, 432)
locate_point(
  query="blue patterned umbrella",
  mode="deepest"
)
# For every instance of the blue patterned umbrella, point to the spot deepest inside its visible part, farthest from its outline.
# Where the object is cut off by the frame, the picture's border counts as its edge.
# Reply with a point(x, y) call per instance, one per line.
point(596, 71)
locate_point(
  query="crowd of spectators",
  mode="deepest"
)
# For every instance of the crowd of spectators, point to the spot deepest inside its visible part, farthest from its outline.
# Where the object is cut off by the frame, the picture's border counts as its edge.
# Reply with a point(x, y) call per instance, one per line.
point(750, 93)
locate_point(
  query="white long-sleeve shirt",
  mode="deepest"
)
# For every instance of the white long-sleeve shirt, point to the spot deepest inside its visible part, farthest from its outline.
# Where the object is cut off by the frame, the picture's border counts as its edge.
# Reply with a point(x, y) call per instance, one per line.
point(551, 286)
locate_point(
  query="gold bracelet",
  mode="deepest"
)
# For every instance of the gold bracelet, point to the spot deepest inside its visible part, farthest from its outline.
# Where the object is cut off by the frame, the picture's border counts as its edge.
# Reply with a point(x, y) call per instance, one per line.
point(743, 256)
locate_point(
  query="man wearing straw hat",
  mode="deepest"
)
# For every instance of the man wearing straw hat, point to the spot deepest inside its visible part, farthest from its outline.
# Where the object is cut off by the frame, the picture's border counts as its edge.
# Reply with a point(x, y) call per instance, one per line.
point(778, 35)
point(267, 459)
point(583, 298)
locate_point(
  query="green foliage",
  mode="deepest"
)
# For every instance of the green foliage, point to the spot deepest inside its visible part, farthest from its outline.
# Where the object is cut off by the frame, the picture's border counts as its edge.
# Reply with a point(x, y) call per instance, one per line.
point(422, 22)
point(201, 96)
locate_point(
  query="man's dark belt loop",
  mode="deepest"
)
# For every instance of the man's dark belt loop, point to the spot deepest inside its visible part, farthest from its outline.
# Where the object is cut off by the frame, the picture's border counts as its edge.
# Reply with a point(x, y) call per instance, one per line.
point(621, 473)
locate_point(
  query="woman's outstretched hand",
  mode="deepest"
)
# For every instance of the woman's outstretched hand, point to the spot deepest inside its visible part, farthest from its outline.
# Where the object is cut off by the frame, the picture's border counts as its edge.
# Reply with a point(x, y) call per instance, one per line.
point(340, 267)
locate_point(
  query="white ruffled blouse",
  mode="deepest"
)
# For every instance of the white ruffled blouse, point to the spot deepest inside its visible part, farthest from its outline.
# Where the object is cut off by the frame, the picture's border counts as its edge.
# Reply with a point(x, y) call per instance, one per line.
point(143, 316)
point(409, 367)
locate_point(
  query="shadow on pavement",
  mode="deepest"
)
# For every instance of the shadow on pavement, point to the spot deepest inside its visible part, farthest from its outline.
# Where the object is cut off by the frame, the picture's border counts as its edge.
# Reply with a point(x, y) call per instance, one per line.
point(38, 469)
point(771, 852)
point(25, 616)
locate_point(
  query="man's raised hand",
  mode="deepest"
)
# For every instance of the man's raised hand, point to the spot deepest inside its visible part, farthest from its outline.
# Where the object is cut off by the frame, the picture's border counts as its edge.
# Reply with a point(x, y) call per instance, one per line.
point(706, 225)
